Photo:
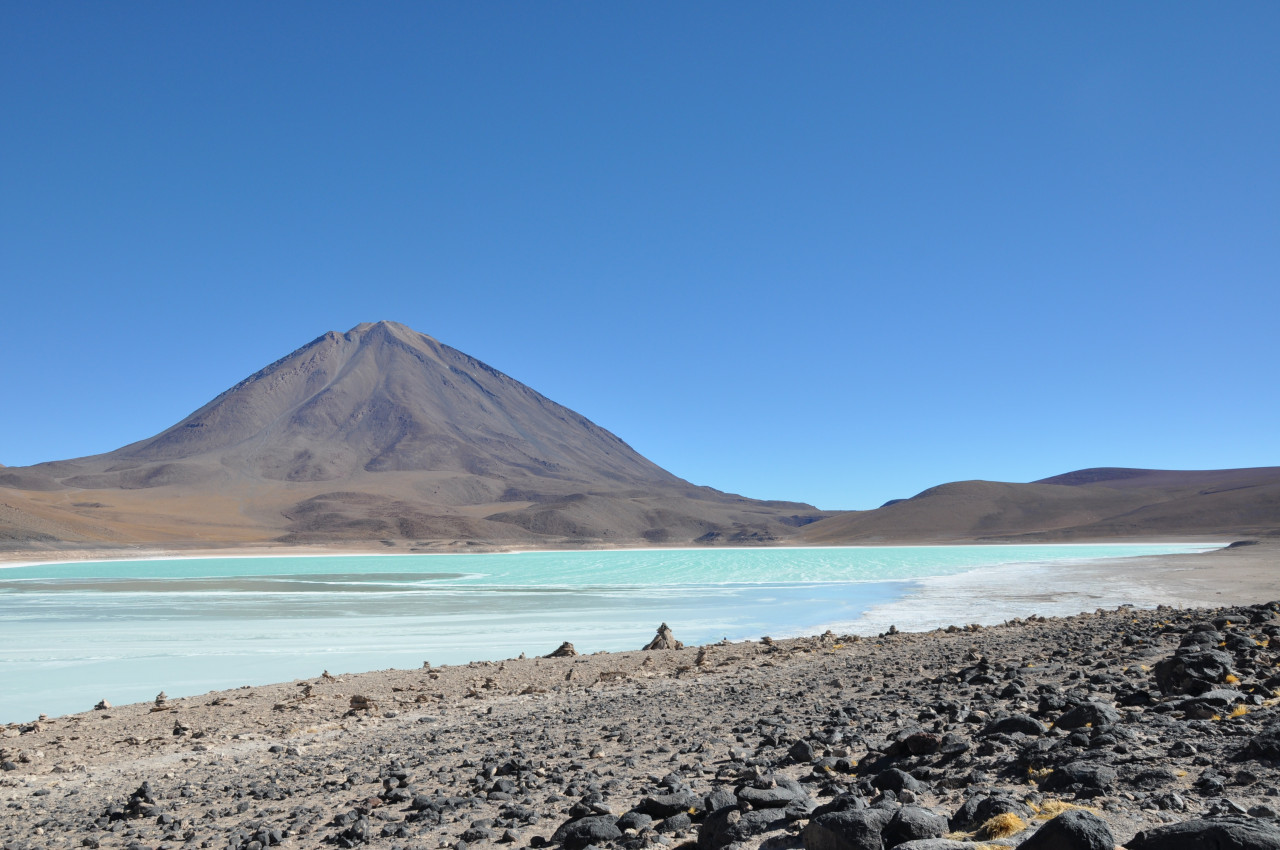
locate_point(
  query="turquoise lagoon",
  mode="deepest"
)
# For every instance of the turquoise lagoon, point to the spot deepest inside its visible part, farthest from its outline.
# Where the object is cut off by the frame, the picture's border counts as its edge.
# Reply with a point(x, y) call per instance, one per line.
point(73, 634)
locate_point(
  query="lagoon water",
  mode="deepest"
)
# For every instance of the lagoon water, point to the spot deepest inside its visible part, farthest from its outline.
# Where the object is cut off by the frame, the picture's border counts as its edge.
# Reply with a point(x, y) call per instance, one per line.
point(73, 634)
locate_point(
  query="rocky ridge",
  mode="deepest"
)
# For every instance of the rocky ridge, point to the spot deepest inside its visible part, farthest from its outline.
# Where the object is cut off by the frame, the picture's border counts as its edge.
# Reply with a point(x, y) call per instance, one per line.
point(1149, 729)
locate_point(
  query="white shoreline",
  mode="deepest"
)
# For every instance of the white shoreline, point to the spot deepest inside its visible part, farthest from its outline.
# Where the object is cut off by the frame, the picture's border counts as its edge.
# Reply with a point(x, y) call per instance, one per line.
point(205, 555)
point(992, 595)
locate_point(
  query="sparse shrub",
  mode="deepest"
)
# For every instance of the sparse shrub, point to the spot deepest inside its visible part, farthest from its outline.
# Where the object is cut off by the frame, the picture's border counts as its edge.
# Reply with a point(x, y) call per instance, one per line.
point(1002, 826)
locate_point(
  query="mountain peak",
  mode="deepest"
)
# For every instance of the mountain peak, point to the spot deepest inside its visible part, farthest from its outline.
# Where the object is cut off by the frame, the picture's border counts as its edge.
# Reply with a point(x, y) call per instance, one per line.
point(383, 397)
point(385, 326)
point(384, 433)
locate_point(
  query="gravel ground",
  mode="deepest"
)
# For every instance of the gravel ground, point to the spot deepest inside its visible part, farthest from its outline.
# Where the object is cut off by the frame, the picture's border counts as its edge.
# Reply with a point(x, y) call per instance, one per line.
point(1118, 722)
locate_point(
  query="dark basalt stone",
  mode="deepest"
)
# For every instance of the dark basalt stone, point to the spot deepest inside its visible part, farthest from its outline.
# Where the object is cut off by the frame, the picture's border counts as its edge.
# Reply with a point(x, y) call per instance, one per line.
point(858, 829)
point(1072, 830)
point(1015, 724)
point(577, 834)
point(1264, 745)
point(897, 781)
point(728, 826)
point(1218, 834)
point(1088, 714)
point(1080, 777)
point(1192, 671)
point(912, 823)
point(981, 808)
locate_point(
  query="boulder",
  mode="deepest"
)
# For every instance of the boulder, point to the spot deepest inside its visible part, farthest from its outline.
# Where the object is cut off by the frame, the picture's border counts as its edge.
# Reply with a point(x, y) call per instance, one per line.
point(1023, 724)
point(1264, 745)
point(840, 803)
point(634, 820)
point(897, 781)
point(913, 823)
point(661, 806)
point(1072, 830)
point(720, 798)
point(1192, 671)
point(1231, 833)
point(1088, 714)
point(855, 829)
point(773, 792)
point(1085, 778)
point(728, 826)
point(594, 829)
point(981, 808)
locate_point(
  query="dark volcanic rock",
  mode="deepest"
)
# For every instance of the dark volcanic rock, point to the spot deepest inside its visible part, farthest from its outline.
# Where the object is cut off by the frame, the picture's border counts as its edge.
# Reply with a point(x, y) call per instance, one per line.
point(1218, 834)
point(858, 829)
point(913, 823)
point(634, 820)
point(777, 791)
point(897, 781)
point(841, 803)
point(1088, 714)
point(661, 806)
point(721, 798)
point(1154, 778)
point(675, 823)
point(577, 834)
point(1072, 830)
point(981, 808)
point(1085, 778)
point(1023, 724)
point(802, 752)
point(1264, 745)
point(1192, 672)
point(728, 826)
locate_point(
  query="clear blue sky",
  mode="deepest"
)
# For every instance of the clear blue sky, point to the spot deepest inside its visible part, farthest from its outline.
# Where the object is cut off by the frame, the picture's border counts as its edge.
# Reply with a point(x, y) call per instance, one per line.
point(834, 252)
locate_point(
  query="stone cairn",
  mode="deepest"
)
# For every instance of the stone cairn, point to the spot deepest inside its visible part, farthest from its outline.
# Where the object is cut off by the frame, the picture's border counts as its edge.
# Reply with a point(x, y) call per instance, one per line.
point(664, 639)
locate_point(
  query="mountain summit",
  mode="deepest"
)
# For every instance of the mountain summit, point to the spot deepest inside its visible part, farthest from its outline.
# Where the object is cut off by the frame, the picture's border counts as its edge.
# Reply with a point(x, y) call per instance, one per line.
point(384, 433)
point(383, 397)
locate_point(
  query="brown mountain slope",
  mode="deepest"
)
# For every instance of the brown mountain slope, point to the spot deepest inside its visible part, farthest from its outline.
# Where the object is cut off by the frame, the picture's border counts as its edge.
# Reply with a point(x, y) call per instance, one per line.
point(1086, 504)
point(381, 433)
point(1167, 479)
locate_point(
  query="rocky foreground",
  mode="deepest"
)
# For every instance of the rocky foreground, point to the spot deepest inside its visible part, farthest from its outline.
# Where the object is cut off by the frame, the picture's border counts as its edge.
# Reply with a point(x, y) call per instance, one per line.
point(1148, 729)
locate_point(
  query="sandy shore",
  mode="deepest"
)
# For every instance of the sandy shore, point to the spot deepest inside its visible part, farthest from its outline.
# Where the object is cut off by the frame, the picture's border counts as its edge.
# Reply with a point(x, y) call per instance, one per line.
point(1225, 576)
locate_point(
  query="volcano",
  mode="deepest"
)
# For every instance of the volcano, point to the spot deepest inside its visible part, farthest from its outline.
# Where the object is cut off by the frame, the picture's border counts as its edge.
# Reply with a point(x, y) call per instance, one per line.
point(379, 433)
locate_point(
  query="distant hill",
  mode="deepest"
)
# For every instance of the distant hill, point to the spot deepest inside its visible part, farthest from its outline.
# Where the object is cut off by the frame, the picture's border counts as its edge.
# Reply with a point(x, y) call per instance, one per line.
point(381, 433)
point(1088, 504)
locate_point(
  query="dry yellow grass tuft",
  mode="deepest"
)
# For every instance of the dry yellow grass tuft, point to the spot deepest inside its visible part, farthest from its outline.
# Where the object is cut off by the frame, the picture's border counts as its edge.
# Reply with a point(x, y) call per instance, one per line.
point(1002, 826)
point(1232, 679)
point(1239, 711)
point(1037, 775)
point(1050, 809)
